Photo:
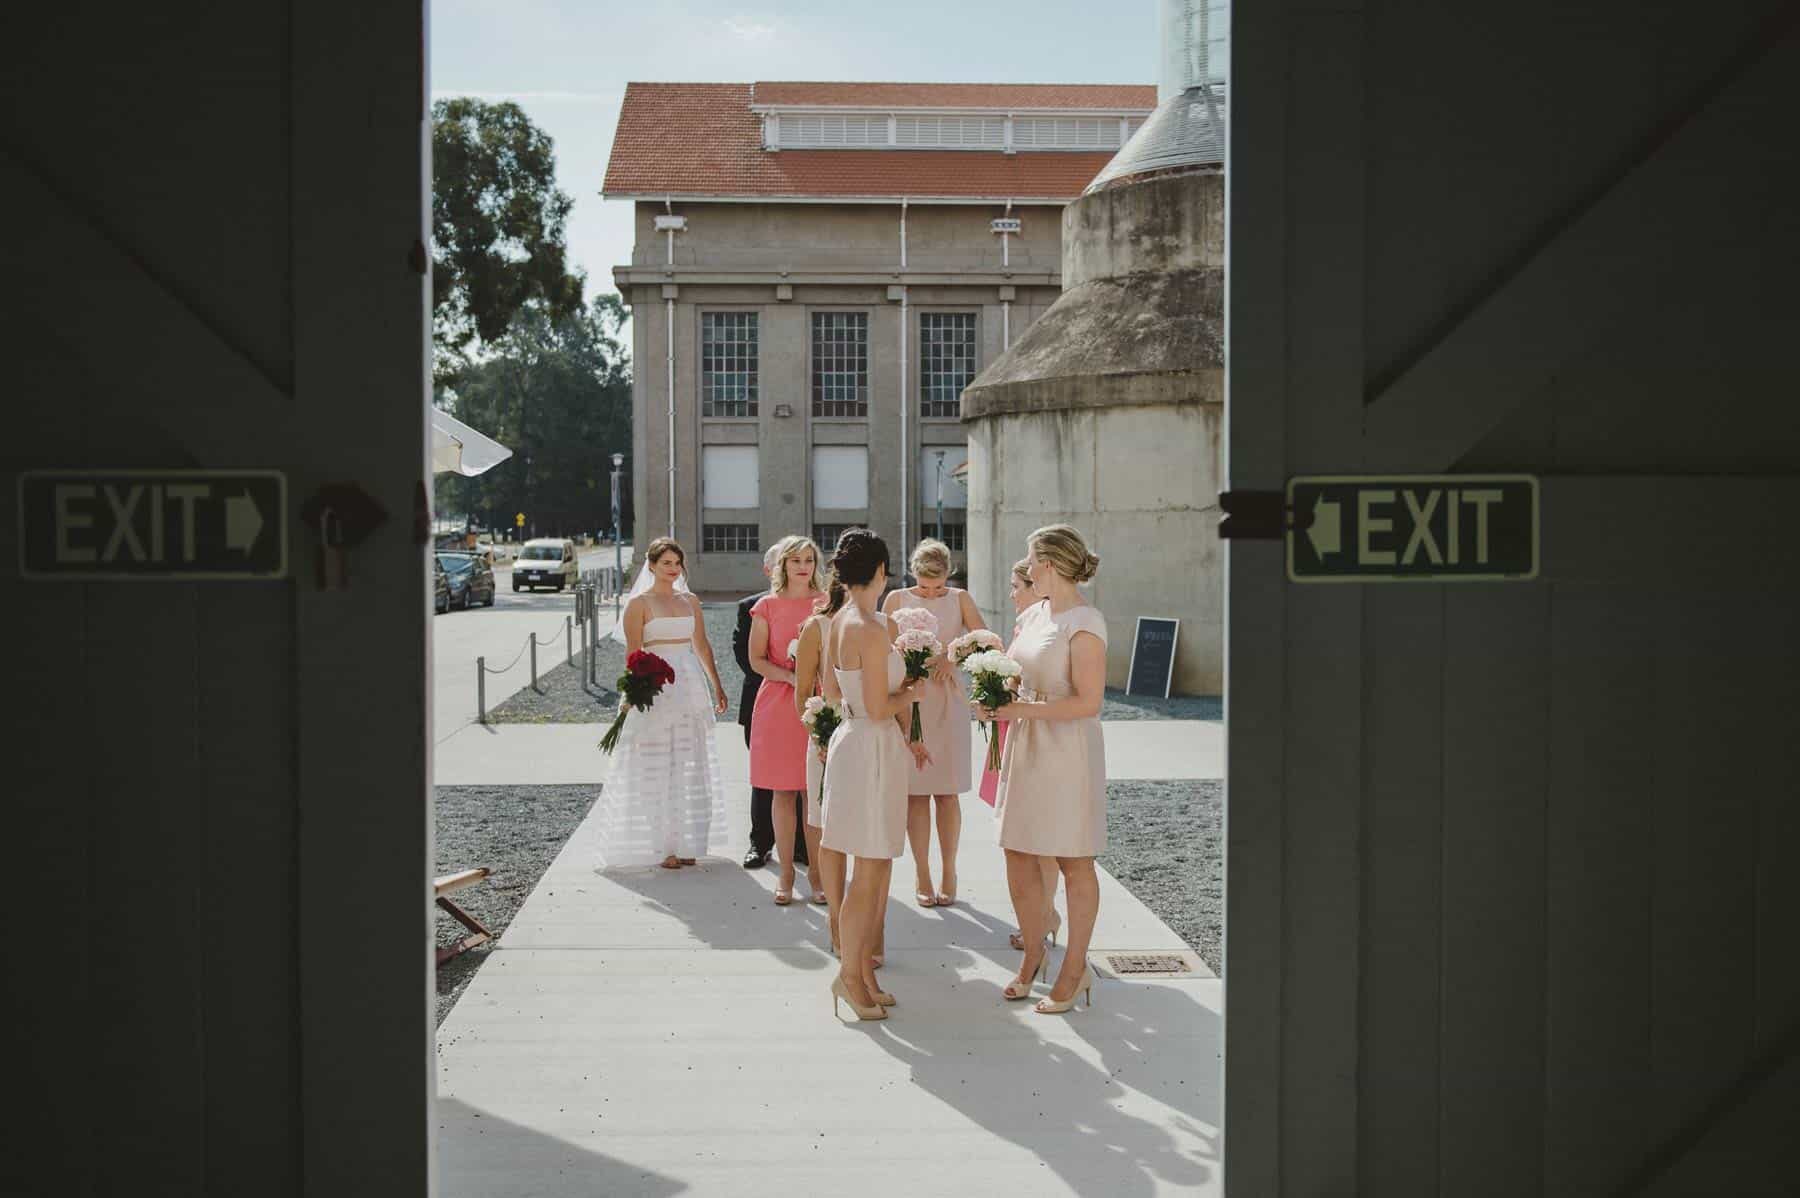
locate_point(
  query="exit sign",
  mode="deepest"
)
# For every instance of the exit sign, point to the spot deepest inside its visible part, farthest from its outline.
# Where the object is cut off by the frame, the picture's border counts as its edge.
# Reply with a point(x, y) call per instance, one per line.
point(1413, 528)
point(148, 525)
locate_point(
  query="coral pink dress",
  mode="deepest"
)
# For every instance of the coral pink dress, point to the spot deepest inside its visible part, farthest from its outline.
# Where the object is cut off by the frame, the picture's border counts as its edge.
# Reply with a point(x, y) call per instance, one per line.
point(778, 741)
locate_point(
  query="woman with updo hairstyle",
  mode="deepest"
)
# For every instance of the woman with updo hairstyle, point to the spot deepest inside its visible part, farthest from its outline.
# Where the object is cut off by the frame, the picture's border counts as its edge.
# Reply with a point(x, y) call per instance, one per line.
point(1023, 597)
point(867, 763)
point(1052, 793)
point(944, 762)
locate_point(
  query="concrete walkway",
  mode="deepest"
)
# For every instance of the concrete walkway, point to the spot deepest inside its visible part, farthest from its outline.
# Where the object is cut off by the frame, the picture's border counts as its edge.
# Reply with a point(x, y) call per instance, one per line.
point(549, 754)
point(654, 1032)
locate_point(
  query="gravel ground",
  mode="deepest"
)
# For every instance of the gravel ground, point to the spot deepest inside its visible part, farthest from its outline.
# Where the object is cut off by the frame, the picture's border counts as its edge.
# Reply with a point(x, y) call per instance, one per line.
point(1164, 844)
point(514, 830)
point(565, 700)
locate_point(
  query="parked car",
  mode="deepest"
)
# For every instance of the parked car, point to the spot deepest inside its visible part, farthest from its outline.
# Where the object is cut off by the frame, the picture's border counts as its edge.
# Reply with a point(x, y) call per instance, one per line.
point(441, 600)
point(470, 577)
point(545, 562)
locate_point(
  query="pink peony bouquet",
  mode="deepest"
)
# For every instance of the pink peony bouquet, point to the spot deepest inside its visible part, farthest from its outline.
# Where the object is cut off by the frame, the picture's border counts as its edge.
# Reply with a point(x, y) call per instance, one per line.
point(920, 648)
point(970, 643)
point(994, 683)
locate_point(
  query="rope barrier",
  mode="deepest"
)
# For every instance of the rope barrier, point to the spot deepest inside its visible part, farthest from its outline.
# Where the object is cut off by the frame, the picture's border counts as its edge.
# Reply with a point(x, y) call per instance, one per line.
point(515, 661)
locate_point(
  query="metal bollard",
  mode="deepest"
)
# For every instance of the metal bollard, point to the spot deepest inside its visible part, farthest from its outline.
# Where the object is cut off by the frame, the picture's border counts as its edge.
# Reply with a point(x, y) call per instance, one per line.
point(569, 639)
point(481, 689)
point(534, 684)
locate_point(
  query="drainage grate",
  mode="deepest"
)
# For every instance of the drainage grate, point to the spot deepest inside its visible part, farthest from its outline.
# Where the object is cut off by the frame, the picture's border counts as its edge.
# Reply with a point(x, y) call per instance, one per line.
point(1131, 966)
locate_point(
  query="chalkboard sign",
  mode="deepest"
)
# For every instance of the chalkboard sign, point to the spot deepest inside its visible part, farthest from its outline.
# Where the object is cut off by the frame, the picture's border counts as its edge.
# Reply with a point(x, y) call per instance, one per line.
point(1153, 656)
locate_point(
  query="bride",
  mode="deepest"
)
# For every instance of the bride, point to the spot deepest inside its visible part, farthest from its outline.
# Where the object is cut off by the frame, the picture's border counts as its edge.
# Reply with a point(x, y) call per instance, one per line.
point(664, 797)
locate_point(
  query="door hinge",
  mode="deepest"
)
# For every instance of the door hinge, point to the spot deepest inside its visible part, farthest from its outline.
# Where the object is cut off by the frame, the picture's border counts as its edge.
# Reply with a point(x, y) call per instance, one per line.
point(1258, 516)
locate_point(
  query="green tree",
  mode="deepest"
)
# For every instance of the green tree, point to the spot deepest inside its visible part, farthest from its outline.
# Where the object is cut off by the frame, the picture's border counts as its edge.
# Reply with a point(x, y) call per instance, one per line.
point(557, 391)
point(497, 227)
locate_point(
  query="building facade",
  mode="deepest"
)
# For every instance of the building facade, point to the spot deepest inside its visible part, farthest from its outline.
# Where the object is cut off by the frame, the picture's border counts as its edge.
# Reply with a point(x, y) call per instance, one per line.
point(819, 271)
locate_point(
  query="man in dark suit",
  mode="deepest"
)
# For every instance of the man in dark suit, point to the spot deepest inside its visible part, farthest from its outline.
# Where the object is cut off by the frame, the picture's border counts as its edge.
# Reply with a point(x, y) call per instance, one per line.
point(762, 821)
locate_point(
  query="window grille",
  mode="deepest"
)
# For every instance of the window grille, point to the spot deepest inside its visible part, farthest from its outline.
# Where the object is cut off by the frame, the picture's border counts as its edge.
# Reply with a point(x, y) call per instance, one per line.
point(1066, 133)
point(946, 361)
point(951, 132)
point(730, 538)
point(840, 363)
point(826, 535)
point(955, 535)
point(728, 361)
point(829, 130)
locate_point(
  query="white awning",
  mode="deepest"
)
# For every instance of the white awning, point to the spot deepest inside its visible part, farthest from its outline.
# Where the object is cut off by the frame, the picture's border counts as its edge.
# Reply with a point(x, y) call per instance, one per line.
point(458, 449)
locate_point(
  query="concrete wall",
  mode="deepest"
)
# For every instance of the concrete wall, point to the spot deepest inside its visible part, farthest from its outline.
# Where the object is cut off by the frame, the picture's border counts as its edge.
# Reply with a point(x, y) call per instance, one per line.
point(1138, 482)
point(1108, 413)
point(785, 262)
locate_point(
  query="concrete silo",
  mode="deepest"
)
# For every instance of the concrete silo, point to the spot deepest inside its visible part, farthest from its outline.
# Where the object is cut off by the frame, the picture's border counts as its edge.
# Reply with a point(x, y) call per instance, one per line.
point(1108, 412)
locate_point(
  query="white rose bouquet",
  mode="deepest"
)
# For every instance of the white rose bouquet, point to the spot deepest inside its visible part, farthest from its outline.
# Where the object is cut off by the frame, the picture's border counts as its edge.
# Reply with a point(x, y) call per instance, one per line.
point(919, 647)
point(822, 717)
point(994, 682)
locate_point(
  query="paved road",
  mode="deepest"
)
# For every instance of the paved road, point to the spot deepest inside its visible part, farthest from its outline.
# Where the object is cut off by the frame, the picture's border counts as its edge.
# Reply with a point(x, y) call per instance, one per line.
point(498, 633)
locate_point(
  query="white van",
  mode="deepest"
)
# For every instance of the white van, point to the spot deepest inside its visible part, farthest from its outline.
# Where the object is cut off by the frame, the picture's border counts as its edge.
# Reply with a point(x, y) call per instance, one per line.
point(545, 562)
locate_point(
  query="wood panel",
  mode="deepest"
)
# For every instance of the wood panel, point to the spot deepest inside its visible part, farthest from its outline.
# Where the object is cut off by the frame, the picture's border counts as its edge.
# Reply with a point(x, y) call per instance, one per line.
point(1402, 938)
point(1496, 728)
point(145, 1030)
point(1702, 966)
point(1603, 702)
point(243, 718)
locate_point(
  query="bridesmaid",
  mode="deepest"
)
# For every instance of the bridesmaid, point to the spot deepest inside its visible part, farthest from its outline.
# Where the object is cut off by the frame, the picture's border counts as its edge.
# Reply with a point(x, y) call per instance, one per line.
point(777, 737)
point(1052, 796)
point(944, 720)
point(1023, 597)
point(813, 675)
point(867, 766)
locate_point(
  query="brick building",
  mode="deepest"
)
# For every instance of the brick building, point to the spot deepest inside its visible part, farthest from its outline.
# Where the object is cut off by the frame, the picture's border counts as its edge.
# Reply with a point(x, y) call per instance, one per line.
point(819, 271)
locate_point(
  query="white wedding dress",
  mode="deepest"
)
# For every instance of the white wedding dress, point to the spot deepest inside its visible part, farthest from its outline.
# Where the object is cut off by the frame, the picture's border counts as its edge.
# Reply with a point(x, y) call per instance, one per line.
point(665, 797)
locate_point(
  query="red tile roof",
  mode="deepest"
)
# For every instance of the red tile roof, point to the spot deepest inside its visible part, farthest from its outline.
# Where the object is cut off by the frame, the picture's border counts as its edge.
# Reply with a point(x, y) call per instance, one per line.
point(701, 139)
point(1064, 97)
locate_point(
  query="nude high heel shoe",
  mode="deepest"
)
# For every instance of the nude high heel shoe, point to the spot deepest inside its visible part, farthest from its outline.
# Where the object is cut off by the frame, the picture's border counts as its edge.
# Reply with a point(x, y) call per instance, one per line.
point(1017, 939)
point(1014, 991)
point(1085, 986)
point(841, 991)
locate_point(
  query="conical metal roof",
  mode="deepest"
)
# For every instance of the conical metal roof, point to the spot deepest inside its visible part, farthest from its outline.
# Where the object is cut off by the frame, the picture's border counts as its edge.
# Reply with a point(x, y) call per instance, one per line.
point(1187, 129)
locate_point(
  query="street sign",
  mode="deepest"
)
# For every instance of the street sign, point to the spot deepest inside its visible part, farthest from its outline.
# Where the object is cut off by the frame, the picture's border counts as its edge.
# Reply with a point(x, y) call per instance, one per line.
point(150, 525)
point(519, 520)
point(1413, 528)
point(1152, 656)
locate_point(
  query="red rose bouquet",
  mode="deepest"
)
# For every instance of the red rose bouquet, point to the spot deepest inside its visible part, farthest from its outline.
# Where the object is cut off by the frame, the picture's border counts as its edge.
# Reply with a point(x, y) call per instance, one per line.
point(644, 678)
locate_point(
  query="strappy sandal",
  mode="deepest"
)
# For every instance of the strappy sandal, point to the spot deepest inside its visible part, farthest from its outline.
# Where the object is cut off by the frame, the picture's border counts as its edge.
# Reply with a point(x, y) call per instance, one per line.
point(783, 897)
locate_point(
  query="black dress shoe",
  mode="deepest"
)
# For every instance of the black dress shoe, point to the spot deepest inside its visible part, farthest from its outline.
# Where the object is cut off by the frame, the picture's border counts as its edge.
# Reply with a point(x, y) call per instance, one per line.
point(756, 858)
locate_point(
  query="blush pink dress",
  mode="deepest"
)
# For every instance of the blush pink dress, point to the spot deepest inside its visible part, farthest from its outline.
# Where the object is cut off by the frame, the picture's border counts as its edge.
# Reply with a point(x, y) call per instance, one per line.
point(777, 737)
point(1052, 793)
point(866, 771)
point(944, 708)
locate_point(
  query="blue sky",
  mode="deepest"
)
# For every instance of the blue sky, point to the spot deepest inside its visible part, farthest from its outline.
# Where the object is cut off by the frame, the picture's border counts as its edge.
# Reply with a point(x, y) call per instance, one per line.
point(567, 63)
